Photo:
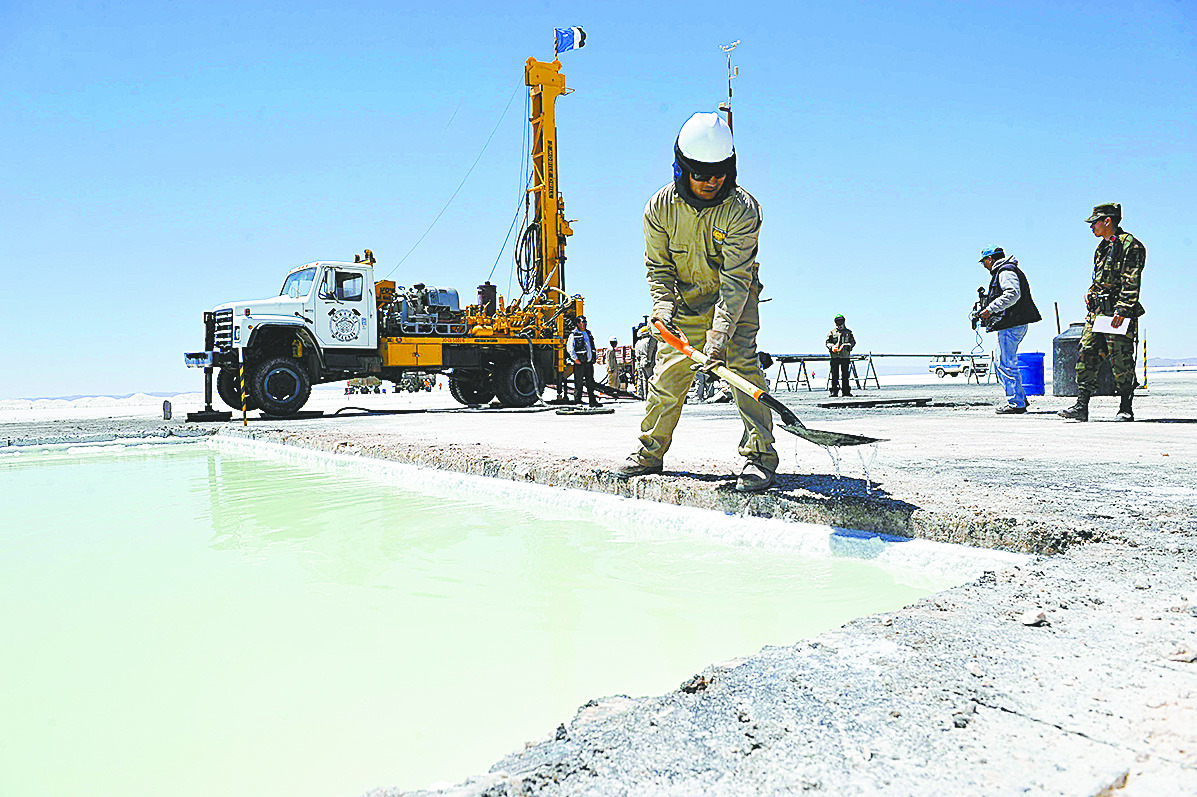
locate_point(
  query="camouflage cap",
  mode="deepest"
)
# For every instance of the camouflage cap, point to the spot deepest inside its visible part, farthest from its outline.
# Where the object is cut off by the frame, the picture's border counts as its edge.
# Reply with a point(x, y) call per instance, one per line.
point(1111, 209)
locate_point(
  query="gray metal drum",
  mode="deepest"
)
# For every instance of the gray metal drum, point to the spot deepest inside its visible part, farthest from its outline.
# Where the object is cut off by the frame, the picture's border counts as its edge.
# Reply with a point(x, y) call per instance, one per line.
point(1065, 348)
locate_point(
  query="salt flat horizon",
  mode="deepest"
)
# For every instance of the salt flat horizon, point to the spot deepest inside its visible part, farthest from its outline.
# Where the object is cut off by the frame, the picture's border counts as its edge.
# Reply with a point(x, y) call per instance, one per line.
point(150, 397)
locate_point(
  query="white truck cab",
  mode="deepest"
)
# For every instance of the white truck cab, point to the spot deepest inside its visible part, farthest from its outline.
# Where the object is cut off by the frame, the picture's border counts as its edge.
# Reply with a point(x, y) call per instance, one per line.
point(321, 326)
point(336, 300)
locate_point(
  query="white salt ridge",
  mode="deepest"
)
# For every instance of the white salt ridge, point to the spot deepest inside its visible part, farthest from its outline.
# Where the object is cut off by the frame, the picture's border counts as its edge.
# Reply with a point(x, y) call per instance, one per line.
point(638, 520)
point(135, 400)
point(116, 446)
point(91, 450)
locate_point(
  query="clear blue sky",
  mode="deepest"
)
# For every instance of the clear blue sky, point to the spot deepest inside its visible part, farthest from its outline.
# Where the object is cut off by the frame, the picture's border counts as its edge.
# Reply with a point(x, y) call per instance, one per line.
point(160, 158)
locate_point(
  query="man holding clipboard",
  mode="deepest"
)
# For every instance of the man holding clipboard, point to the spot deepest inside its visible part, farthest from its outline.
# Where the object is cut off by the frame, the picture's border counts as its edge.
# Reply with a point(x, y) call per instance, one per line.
point(1111, 326)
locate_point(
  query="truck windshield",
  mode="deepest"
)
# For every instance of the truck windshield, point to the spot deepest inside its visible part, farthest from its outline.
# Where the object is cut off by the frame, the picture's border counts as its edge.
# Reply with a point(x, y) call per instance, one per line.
point(298, 283)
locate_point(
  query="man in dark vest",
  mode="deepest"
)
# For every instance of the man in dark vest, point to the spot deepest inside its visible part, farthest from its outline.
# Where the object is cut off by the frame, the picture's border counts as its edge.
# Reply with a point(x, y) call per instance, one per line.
point(1008, 310)
point(582, 354)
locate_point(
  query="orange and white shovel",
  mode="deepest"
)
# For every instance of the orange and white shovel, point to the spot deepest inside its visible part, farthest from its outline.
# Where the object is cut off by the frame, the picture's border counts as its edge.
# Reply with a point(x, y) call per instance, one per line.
point(789, 421)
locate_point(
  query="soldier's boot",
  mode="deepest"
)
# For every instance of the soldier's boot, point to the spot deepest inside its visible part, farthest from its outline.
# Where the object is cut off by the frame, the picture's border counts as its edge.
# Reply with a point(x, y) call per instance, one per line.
point(1078, 411)
point(1125, 413)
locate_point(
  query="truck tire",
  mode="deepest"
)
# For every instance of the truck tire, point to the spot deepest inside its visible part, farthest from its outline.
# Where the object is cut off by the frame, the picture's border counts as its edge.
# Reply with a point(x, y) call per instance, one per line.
point(940, 372)
point(228, 387)
point(516, 384)
point(470, 391)
point(280, 386)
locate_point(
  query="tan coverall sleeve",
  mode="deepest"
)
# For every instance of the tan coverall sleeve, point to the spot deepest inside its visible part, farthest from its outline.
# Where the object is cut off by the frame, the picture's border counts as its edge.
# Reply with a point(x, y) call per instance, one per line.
point(739, 270)
point(662, 271)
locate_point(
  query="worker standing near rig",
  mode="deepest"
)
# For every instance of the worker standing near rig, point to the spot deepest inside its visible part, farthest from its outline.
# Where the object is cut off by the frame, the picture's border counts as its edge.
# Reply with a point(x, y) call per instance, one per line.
point(582, 355)
point(700, 246)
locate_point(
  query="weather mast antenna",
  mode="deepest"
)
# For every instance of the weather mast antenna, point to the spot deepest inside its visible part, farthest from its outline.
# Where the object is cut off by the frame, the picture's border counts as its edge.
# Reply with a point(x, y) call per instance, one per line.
point(732, 74)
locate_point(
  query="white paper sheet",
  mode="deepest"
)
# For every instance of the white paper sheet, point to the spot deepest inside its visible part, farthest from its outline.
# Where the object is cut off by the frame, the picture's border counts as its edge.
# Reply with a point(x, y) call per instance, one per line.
point(1105, 323)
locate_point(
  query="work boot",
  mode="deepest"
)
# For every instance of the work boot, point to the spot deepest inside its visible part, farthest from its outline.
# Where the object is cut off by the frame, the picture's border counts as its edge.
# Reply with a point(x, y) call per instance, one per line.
point(835, 393)
point(1125, 413)
point(1078, 411)
point(634, 467)
point(1010, 409)
point(847, 394)
point(754, 478)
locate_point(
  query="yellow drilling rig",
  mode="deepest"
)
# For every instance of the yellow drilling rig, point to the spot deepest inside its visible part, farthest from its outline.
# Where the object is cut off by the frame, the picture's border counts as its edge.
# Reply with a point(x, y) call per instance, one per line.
point(333, 321)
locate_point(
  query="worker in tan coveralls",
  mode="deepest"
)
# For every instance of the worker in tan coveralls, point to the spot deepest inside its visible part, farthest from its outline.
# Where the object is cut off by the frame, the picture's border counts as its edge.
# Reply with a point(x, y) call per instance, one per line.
point(700, 246)
point(613, 364)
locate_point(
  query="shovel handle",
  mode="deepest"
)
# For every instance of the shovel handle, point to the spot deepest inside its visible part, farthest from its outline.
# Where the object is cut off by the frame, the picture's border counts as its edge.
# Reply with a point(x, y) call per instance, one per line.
point(677, 339)
point(674, 337)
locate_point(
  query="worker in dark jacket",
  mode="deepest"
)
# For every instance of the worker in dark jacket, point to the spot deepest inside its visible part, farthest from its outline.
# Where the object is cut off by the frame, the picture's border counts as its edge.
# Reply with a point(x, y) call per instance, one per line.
point(582, 354)
point(840, 342)
point(1008, 310)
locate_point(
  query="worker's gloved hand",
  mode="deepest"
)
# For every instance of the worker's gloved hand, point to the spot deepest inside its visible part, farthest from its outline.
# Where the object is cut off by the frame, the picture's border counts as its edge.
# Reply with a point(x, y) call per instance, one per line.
point(715, 350)
point(663, 312)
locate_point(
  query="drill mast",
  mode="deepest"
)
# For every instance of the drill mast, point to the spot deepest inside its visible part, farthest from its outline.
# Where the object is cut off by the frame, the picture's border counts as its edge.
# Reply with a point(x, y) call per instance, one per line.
point(545, 84)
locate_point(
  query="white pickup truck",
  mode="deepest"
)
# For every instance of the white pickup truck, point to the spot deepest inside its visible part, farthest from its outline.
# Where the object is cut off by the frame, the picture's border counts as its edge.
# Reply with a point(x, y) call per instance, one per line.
point(956, 363)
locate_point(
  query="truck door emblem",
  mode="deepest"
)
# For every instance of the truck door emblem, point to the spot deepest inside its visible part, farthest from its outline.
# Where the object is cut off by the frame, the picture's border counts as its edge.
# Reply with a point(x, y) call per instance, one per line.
point(343, 324)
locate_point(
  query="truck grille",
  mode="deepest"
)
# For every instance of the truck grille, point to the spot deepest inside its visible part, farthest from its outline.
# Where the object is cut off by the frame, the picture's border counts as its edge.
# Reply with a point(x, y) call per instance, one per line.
point(223, 330)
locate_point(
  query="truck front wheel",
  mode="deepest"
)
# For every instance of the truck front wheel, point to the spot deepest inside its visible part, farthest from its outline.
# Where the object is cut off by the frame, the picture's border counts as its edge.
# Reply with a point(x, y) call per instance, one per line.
point(228, 387)
point(280, 386)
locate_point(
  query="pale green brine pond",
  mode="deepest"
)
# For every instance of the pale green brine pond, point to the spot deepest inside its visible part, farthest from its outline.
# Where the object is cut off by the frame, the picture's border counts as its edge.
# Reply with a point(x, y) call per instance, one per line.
point(205, 620)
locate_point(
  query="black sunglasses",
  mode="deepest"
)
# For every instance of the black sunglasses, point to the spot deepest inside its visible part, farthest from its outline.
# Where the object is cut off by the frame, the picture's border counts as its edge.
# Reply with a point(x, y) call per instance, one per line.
point(706, 178)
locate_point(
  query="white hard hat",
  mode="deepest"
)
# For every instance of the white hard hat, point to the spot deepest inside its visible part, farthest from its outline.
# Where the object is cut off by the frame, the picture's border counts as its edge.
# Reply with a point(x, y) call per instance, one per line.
point(705, 137)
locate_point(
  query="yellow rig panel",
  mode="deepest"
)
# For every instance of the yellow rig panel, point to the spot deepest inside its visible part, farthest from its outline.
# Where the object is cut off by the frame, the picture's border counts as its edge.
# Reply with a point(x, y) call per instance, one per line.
point(408, 353)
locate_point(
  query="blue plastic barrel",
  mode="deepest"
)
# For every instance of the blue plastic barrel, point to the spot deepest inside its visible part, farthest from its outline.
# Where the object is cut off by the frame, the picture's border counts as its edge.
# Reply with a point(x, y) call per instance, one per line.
point(1030, 370)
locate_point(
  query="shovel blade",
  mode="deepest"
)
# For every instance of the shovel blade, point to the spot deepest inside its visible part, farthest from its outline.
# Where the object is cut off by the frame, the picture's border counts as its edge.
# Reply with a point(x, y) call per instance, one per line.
point(835, 439)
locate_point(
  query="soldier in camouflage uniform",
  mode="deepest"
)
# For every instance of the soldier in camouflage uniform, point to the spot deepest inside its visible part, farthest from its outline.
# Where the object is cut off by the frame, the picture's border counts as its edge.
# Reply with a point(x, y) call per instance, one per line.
point(1117, 275)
